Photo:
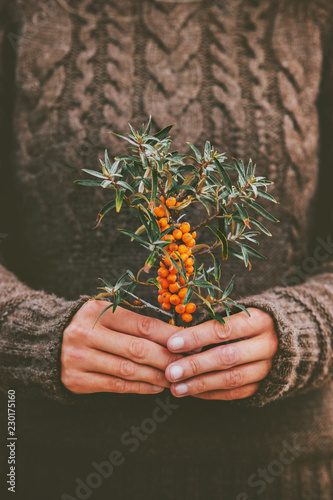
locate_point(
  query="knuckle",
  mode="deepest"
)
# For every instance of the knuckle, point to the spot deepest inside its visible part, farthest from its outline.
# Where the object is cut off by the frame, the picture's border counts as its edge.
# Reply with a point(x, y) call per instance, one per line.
point(74, 333)
point(228, 354)
point(70, 379)
point(71, 355)
point(118, 385)
point(194, 365)
point(127, 368)
point(195, 338)
point(200, 385)
point(137, 348)
point(147, 326)
point(221, 331)
point(234, 378)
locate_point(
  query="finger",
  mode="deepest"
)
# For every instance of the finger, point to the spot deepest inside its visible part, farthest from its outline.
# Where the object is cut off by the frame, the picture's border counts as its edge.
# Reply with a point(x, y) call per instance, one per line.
point(223, 380)
point(230, 394)
point(212, 332)
point(140, 350)
point(88, 383)
point(132, 323)
point(102, 362)
point(223, 357)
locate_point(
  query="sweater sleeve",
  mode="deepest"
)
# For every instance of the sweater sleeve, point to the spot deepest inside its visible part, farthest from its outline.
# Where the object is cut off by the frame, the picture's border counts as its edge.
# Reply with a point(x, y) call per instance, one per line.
point(31, 322)
point(303, 309)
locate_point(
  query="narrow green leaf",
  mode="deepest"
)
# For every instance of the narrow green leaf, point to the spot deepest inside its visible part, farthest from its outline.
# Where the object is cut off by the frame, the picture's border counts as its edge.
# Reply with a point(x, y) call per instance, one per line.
point(229, 288)
point(188, 296)
point(133, 235)
point(119, 199)
point(260, 209)
point(223, 240)
point(94, 173)
point(88, 182)
point(224, 175)
point(196, 151)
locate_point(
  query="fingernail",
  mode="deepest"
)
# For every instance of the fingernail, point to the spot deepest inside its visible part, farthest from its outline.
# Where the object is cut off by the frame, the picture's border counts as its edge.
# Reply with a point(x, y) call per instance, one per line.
point(176, 371)
point(157, 388)
point(176, 343)
point(181, 389)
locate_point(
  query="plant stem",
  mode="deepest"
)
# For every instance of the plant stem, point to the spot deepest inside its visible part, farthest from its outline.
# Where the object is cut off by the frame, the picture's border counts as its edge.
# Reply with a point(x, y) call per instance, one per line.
point(147, 304)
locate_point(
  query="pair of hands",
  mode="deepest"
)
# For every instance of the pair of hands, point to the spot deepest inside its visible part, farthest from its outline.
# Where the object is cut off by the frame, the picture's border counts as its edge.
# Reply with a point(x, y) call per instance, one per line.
point(130, 353)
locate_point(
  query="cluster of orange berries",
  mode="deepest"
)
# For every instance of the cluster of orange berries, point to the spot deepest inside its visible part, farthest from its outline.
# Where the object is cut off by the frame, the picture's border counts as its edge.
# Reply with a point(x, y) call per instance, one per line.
point(172, 289)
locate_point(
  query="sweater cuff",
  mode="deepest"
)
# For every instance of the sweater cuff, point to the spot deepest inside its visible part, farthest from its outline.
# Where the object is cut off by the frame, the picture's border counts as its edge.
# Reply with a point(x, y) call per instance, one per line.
point(37, 370)
point(297, 365)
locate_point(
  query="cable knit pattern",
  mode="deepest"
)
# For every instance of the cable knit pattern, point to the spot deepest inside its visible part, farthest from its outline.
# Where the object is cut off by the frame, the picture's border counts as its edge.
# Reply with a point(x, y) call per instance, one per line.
point(171, 93)
point(254, 76)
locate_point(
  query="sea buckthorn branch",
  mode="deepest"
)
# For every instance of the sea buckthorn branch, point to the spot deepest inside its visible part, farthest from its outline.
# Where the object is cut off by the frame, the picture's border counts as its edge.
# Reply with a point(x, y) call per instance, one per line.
point(157, 185)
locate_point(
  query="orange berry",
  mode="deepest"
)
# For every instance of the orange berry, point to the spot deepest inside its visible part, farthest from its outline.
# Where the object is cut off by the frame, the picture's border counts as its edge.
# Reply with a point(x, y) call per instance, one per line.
point(182, 292)
point(163, 221)
point(167, 306)
point(175, 255)
point(171, 202)
point(184, 256)
point(159, 211)
point(191, 243)
point(172, 278)
point(160, 299)
point(194, 235)
point(163, 272)
point(181, 280)
point(173, 247)
point(180, 309)
point(189, 269)
point(186, 237)
point(161, 290)
point(189, 251)
point(185, 227)
point(164, 283)
point(190, 307)
point(167, 237)
point(186, 317)
point(166, 296)
point(182, 248)
point(177, 234)
point(189, 261)
point(173, 270)
point(174, 299)
point(162, 199)
point(167, 261)
point(178, 203)
point(174, 287)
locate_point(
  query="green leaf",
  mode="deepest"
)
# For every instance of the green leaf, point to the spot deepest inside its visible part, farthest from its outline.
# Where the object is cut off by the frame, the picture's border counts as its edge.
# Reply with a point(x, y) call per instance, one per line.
point(254, 252)
point(204, 203)
point(188, 296)
point(261, 226)
point(265, 195)
point(119, 199)
point(107, 162)
point(104, 210)
point(133, 235)
point(94, 173)
point(224, 175)
point(126, 186)
point(229, 288)
point(243, 214)
point(239, 166)
point(260, 209)
point(161, 134)
point(196, 151)
point(154, 183)
point(100, 314)
point(148, 126)
point(150, 261)
point(217, 268)
point(88, 182)
point(127, 158)
point(222, 239)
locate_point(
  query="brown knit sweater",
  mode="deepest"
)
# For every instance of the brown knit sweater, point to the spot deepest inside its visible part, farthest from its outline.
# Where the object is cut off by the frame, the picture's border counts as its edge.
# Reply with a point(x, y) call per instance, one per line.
point(253, 76)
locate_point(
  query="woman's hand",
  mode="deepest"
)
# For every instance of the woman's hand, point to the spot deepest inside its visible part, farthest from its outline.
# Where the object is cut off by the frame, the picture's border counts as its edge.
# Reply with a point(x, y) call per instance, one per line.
point(229, 371)
point(125, 352)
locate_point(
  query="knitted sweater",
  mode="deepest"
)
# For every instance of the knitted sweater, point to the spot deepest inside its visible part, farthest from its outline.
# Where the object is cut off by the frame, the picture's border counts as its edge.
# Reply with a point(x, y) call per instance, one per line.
point(256, 78)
